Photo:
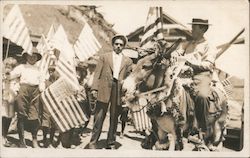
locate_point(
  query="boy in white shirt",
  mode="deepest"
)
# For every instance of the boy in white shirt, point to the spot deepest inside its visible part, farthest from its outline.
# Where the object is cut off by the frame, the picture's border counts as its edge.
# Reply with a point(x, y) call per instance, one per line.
point(28, 97)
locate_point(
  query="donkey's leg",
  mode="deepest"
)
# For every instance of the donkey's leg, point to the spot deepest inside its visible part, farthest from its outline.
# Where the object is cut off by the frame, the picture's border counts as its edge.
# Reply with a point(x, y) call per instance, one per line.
point(166, 123)
point(161, 143)
point(179, 141)
point(217, 137)
point(172, 141)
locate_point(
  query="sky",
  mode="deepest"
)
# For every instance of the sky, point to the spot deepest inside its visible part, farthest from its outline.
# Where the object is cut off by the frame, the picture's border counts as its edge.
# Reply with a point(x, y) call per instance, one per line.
point(228, 17)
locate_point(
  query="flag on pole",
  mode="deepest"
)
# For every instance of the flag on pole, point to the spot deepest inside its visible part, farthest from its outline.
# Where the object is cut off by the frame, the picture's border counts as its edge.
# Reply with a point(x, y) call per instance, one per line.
point(65, 110)
point(86, 45)
point(153, 27)
point(44, 42)
point(48, 57)
point(228, 87)
point(51, 33)
point(15, 29)
point(60, 42)
point(67, 71)
point(42, 46)
point(64, 52)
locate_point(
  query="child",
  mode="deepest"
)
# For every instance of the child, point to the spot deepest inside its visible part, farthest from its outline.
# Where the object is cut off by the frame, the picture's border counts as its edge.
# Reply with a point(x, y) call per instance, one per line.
point(10, 89)
point(28, 97)
point(92, 62)
point(49, 126)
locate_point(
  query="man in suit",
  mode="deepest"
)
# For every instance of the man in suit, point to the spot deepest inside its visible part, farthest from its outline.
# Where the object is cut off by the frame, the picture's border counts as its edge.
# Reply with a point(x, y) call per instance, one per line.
point(111, 70)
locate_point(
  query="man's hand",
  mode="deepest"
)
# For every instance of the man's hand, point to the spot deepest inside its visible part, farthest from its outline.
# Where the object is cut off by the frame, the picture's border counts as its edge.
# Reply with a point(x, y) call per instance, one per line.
point(94, 94)
point(42, 86)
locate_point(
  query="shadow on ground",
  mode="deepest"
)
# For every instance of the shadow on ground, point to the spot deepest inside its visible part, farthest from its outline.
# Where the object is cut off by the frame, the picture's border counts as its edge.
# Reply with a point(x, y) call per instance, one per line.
point(102, 144)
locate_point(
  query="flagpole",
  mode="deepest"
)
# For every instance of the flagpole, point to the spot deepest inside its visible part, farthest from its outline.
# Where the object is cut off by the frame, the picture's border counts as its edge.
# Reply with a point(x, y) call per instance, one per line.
point(7, 50)
point(161, 18)
point(229, 44)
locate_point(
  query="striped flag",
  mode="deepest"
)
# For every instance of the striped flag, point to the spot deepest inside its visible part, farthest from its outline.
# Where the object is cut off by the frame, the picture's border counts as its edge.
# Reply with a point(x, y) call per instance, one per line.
point(65, 57)
point(153, 27)
point(67, 71)
point(60, 42)
point(50, 33)
point(86, 45)
point(15, 29)
point(228, 87)
point(42, 46)
point(140, 118)
point(44, 42)
point(65, 110)
point(48, 57)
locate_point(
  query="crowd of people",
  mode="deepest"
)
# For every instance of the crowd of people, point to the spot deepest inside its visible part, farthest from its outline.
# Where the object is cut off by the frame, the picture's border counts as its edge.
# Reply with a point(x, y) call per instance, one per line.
point(100, 80)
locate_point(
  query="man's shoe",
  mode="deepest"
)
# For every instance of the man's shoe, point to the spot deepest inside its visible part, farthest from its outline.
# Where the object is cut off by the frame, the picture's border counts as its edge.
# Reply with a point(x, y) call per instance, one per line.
point(22, 145)
point(111, 147)
point(7, 144)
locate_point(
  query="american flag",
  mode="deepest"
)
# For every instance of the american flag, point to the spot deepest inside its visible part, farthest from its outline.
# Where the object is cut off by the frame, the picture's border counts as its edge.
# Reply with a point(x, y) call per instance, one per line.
point(86, 45)
point(15, 29)
point(59, 97)
point(50, 33)
point(67, 71)
point(65, 55)
point(153, 27)
point(65, 110)
point(140, 118)
point(47, 56)
point(60, 41)
point(44, 48)
point(228, 87)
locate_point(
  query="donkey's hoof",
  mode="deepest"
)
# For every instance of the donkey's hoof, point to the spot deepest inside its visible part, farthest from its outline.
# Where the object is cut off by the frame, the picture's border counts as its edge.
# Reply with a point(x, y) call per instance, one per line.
point(159, 146)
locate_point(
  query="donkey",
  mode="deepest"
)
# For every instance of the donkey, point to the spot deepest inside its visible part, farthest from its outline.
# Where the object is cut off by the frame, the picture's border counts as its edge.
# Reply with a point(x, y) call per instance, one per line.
point(151, 73)
point(171, 110)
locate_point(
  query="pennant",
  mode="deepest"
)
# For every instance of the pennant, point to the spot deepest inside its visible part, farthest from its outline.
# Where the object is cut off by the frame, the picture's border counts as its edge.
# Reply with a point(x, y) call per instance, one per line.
point(62, 104)
point(153, 27)
point(15, 29)
point(86, 45)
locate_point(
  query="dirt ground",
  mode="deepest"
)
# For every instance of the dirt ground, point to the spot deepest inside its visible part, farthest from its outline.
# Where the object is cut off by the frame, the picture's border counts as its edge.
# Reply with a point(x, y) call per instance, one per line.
point(131, 140)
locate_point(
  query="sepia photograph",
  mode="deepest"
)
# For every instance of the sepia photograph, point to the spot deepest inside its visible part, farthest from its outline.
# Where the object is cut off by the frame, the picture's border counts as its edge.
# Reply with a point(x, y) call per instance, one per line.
point(165, 78)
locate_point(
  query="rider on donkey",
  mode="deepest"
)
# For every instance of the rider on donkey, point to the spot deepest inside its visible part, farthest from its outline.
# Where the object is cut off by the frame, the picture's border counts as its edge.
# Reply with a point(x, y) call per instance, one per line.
point(200, 56)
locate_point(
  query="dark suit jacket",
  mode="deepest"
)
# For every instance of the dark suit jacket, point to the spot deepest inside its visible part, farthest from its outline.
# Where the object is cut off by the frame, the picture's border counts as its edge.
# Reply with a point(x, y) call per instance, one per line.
point(104, 76)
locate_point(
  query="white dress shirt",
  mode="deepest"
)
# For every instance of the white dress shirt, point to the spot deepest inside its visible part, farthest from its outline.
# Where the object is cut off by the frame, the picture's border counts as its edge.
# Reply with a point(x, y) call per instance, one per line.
point(117, 60)
point(90, 78)
point(29, 74)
